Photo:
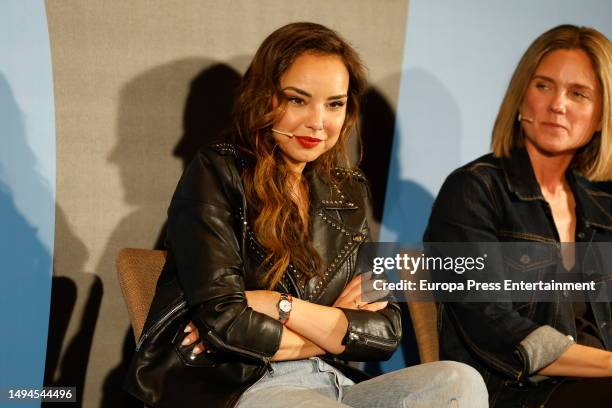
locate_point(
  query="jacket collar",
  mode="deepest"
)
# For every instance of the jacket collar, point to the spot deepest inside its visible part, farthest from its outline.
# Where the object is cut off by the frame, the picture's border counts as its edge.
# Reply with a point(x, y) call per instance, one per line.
point(520, 177)
point(587, 197)
point(329, 196)
point(521, 180)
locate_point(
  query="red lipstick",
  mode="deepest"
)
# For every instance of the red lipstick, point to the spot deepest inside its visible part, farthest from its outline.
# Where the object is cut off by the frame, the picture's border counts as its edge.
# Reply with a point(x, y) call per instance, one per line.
point(307, 141)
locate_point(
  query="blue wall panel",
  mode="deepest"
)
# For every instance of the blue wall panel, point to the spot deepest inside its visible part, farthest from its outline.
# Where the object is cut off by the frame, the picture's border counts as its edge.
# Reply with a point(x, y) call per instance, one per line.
point(27, 191)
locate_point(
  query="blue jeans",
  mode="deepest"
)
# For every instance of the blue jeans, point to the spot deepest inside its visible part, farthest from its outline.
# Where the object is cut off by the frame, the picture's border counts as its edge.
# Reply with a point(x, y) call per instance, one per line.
point(314, 383)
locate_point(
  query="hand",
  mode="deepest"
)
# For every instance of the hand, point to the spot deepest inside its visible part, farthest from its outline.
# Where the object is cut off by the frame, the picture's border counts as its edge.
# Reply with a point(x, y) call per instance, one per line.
point(350, 298)
point(191, 338)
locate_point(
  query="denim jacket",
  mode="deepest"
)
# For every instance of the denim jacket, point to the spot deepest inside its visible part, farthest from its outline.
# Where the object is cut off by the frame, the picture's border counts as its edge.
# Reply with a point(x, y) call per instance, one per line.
point(498, 199)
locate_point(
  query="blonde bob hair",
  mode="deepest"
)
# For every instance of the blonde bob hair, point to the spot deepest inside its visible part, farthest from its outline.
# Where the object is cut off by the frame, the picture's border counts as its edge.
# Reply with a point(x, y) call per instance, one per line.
point(594, 160)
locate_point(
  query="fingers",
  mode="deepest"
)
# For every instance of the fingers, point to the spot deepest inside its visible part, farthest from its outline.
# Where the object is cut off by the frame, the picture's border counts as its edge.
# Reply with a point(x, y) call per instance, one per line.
point(354, 283)
point(374, 307)
point(352, 290)
point(360, 292)
point(198, 349)
point(193, 335)
point(191, 338)
point(371, 295)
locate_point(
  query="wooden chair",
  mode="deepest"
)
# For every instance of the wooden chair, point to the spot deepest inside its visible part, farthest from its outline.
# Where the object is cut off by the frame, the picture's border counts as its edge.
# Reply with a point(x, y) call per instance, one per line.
point(138, 271)
point(424, 316)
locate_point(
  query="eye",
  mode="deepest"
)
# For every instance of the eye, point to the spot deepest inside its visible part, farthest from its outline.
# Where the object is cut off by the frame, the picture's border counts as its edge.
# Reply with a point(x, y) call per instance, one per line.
point(295, 100)
point(337, 104)
point(542, 85)
point(579, 95)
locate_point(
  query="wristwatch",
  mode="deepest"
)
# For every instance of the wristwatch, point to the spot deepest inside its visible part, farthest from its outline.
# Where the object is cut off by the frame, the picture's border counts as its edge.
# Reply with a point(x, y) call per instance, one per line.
point(284, 307)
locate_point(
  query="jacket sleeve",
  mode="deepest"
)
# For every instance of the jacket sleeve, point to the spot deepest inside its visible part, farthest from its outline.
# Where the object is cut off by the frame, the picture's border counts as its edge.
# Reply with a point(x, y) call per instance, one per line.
point(371, 336)
point(204, 238)
point(465, 211)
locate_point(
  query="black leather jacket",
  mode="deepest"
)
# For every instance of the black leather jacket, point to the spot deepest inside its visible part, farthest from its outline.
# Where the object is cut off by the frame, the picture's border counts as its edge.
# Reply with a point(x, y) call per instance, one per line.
point(492, 200)
point(215, 256)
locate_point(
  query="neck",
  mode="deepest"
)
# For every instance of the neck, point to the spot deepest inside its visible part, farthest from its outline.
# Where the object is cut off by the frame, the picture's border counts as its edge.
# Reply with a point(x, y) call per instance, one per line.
point(549, 170)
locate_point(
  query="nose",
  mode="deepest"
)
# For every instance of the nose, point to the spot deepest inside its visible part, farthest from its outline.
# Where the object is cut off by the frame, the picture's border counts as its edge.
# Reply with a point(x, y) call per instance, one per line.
point(316, 118)
point(559, 103)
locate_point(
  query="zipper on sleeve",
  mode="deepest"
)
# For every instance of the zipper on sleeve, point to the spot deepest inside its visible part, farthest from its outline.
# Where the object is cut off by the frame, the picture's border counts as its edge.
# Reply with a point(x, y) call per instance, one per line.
point(160, 322)
point(376, 341)
point(221, 345)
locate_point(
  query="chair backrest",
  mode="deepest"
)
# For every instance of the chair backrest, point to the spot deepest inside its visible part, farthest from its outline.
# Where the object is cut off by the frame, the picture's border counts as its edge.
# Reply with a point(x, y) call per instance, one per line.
point(424, 316)
point(138, 271)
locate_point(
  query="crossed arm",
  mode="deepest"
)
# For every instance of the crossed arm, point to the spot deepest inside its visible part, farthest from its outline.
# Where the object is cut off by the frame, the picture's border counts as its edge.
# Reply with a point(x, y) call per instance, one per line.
point(312, 329)
point(201, 236)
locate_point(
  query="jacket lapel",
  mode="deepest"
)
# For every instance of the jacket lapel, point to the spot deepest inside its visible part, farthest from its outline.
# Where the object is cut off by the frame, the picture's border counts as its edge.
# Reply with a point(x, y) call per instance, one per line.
point(336, 222)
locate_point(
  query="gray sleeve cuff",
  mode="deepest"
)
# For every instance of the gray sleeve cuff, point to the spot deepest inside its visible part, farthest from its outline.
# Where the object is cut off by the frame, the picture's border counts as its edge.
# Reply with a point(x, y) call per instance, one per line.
point(543, 346)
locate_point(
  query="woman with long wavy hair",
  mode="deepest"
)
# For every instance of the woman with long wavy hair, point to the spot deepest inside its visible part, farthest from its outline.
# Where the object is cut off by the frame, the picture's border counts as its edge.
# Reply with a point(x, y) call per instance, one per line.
point(263, 237)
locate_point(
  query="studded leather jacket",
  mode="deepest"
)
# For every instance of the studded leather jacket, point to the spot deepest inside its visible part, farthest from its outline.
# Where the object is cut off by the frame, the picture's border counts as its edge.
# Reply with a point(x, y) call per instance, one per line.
point(215, 257)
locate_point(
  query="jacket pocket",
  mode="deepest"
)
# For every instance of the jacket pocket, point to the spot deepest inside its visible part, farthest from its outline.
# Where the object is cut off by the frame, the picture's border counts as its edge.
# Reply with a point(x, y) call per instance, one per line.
point(528, 256)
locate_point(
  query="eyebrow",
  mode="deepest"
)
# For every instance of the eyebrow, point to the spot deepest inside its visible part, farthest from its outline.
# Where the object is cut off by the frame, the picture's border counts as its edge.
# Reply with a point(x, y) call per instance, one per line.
point(303, 92)
point(545, 78)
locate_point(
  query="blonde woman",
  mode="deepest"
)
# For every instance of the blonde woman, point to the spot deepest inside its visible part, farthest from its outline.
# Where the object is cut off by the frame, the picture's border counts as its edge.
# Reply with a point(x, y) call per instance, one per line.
point(546, 181)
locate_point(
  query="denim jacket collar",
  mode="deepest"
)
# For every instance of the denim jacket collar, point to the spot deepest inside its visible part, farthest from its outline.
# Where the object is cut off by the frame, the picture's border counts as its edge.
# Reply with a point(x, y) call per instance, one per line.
point(520, 177)
point(585, 193)
point(521, 180)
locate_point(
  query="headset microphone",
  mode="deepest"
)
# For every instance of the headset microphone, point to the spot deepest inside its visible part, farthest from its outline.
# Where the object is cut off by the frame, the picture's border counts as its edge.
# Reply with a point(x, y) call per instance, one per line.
point(283, 133)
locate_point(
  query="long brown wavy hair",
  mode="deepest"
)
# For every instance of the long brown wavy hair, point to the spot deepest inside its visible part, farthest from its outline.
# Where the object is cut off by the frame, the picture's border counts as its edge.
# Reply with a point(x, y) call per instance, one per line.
point(277, 223)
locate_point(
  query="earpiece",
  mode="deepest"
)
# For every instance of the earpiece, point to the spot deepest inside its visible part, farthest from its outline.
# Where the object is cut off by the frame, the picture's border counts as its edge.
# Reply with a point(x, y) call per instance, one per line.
point(522, 118)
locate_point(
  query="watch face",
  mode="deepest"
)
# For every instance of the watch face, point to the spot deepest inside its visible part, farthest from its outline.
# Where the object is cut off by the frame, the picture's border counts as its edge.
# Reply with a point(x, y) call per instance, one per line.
point(284, 305)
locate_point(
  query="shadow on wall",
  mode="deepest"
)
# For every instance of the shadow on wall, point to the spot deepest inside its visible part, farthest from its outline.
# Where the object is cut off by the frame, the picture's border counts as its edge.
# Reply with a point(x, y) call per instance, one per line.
point(26, 261)
point(378, 121)
point(152, 106)
point(377, 125)
point(72, 369)
point(208, 113)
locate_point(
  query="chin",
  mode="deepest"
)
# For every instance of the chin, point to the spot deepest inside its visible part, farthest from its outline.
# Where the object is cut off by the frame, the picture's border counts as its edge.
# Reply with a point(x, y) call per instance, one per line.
point(303, 158)
point(308, 156)
point(555, 149)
